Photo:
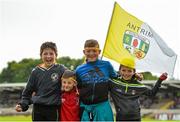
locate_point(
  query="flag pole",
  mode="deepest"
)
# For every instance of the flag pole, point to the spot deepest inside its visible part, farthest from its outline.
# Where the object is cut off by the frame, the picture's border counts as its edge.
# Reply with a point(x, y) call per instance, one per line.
point(108, 29)
point(174, 66)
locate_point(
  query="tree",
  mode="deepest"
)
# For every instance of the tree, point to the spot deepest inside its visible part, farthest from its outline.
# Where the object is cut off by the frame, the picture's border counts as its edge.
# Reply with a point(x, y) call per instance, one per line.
point(149, 76)
point(70, 63)
point(18, 72)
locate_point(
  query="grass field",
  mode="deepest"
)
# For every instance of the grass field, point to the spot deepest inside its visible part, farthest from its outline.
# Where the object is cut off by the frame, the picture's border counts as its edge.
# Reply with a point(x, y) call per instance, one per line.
point(16, 118)
point(28, 119)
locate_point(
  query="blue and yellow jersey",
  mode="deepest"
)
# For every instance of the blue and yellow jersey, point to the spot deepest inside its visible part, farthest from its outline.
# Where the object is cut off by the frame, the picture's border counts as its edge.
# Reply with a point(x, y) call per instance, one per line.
point(93, 81)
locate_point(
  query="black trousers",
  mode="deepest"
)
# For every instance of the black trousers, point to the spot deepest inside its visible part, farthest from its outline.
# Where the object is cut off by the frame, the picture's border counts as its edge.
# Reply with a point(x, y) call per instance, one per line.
point(128, 117)
point(45, 113)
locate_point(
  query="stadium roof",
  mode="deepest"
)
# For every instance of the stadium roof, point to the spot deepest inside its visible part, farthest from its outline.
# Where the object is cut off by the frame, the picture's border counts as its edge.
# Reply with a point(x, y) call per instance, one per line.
point(165, 84)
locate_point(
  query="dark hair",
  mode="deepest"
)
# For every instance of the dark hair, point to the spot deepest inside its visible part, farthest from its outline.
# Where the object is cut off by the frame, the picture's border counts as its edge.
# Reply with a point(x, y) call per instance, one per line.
point(68, 74)
point(50, 45)
point(91, 43)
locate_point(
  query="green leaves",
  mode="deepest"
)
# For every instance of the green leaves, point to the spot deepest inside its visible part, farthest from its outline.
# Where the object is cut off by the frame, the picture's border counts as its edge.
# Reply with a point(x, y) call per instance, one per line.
point(18, 72)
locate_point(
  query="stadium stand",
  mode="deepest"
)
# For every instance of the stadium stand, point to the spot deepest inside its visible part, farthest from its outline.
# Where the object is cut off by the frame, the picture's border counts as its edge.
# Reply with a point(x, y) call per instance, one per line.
point(164, 106)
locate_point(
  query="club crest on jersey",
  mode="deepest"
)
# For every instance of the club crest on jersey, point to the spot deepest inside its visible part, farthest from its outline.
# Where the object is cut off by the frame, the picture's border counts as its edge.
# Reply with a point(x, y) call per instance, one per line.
point(118, 90)
point(133, 92)
point(135, 44)
point(54, 76)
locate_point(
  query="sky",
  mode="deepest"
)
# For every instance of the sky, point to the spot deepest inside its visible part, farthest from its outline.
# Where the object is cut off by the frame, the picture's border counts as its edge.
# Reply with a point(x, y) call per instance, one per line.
point(26, 24)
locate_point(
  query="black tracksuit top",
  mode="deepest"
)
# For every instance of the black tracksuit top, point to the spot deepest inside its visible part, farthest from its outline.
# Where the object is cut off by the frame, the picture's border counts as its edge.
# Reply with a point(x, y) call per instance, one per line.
point(46, 85)
point(126, 95)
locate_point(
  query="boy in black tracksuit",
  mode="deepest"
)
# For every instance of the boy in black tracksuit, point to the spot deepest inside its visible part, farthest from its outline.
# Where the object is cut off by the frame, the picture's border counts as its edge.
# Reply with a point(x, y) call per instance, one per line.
point(44, 81)
point(126, 90)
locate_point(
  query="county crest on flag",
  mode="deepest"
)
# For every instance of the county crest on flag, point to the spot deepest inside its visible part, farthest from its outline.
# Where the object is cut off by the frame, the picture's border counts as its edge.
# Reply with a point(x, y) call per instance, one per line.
point(129, 37)
point(135, 45)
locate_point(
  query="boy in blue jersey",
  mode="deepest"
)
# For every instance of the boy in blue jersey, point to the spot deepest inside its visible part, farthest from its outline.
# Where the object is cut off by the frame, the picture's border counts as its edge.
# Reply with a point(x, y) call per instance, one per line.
point(93, 83)
point(44, 82)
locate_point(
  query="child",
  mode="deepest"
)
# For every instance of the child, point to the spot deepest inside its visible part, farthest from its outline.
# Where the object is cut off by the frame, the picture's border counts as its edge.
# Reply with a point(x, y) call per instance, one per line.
point(126, 91)
point(69, 109)
point(44, 82)
point(93, 83)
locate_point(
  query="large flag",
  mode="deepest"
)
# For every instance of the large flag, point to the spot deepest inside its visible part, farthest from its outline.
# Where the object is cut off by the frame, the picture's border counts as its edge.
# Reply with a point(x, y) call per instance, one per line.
point(130, 37)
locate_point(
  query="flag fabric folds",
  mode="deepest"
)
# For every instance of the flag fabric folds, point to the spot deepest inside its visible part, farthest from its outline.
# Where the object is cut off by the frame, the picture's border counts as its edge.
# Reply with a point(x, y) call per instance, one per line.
point(129, 37)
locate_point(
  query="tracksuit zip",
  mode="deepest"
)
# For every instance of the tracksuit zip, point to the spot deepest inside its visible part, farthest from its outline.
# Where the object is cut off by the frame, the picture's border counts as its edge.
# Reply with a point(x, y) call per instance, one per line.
point(93, 91)
point(126, 88)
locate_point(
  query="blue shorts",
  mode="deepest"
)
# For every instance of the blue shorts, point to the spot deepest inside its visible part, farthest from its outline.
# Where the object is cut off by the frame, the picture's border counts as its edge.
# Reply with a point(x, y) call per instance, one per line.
point(97, 112)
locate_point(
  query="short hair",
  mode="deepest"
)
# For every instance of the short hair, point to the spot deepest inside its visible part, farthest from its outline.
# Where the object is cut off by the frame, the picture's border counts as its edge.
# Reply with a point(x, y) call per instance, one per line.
point(91, 43)
point(69, 74)
point(50, 45)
